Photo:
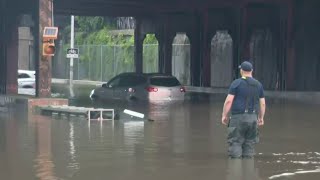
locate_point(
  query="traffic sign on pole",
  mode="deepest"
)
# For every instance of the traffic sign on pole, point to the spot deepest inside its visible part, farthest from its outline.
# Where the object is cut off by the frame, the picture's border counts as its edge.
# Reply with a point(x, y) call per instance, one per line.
point(73, 53)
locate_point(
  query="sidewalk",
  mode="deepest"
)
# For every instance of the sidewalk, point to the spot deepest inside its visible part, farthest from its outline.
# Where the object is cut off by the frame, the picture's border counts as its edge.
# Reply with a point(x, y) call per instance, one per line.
point(303, 97)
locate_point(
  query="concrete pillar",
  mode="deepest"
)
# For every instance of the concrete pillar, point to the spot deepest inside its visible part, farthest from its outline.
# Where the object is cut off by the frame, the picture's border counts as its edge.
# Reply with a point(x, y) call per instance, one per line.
point(291, 61)
point(245, 34)
point(282, 52)
point(3, 58)
point(12, 56)
point(25, 48)
point(8, 49)
point(196, 46)
point(138, 47)
point(235, 33)
point(206, 42)
point(43, 16)
point(159, 36)
point(168, 54)
point(165, 46)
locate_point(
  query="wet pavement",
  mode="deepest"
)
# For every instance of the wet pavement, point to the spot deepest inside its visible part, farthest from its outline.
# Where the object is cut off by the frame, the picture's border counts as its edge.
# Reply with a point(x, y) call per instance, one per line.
point(185, 141)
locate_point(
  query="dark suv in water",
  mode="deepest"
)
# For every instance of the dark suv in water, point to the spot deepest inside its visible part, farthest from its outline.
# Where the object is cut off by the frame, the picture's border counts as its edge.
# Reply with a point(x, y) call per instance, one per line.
point(140, 86)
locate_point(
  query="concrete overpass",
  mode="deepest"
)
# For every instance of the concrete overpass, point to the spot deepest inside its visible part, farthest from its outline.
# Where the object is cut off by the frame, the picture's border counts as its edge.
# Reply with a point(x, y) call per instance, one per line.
point(289, 61)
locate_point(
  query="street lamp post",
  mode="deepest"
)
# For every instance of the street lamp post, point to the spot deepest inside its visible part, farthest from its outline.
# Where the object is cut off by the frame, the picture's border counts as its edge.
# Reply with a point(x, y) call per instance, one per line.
point(71, 59)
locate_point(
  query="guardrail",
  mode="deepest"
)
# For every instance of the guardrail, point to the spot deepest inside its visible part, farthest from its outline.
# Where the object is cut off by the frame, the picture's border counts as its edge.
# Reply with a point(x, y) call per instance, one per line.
point(99, 83)
point(80, 82)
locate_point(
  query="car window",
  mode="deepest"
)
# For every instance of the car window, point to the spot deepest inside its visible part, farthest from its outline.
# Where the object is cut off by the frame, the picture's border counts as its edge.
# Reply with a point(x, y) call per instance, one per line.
point(164, 81)
point(23, 75)
point(114, 82)
point(127, 81)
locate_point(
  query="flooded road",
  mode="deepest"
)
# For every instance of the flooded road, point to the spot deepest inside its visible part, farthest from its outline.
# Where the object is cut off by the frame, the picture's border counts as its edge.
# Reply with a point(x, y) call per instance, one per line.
point(185, 141)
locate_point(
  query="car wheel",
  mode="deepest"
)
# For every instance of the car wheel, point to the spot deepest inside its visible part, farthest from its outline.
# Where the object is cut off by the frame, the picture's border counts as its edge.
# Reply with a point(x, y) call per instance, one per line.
point(133, 98)
point(94, 97)
point(116, 116)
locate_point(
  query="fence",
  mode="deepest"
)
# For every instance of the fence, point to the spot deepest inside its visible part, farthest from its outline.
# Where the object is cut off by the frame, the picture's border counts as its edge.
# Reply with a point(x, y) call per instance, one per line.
point(102, 62)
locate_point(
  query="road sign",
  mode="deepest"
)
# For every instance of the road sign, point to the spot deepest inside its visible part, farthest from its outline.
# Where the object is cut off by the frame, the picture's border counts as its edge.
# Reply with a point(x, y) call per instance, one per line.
point(73, 53)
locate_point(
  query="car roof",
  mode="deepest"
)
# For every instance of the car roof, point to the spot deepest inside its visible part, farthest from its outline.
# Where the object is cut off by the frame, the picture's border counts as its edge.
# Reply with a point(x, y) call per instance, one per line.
point(129, 73)
point(26, 71)
point(147, 74)
point(158, 74)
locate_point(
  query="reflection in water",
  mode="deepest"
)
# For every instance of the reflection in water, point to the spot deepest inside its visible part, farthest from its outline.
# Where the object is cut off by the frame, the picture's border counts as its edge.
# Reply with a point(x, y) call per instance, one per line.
point(133, 134)
point(294, 173)
point(180, 128)
point(93, 124)
point(2, 134)
point(185, 141)
point(73, 164)
point(43, 165)
point(304, 163)
point(71, 142)
point(242, 169)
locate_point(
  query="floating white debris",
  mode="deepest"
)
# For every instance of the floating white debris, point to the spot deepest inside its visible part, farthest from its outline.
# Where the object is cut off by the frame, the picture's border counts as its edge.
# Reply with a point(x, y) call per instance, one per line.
point(305, 172)
point(276, 154)
point(305, 162)
point(294, 173)
point(301, 162)
point(281, 175)
point(295, 154)
point(133, 113)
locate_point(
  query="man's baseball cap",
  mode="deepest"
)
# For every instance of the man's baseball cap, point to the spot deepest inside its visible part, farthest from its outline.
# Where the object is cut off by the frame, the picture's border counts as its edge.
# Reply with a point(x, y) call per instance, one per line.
point(246, 66)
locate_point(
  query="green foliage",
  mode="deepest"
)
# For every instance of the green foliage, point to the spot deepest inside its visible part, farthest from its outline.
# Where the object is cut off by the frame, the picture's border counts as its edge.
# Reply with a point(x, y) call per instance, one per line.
point(105, 54)
point(150, 54)
point(150, 39)
point(89, 24)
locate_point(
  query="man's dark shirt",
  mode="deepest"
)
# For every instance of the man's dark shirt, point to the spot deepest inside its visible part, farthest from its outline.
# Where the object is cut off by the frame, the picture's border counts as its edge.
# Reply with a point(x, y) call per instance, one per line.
point(247, 92)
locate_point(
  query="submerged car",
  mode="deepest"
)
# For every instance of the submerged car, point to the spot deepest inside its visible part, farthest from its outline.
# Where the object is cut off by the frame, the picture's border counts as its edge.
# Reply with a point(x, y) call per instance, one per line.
point(140, 86)
point(26, 82)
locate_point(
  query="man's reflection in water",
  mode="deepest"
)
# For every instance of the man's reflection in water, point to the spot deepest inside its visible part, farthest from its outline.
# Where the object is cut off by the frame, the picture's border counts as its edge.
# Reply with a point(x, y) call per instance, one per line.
point(242, 169)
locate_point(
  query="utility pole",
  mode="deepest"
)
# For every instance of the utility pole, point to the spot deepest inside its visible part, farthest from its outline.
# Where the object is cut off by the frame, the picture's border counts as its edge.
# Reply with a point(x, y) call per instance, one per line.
point(71, 59)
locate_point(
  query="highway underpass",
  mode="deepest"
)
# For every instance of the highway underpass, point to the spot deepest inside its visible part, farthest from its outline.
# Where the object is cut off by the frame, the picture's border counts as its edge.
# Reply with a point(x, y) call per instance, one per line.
point(285, 54)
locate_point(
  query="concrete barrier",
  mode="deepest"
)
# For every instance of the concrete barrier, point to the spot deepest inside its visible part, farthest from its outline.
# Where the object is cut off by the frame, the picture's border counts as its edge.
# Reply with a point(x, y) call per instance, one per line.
point(301, 96)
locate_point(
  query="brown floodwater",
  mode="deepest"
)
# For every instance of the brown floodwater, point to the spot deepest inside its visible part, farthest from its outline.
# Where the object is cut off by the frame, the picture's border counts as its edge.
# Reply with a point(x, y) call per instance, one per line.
point(184, 141)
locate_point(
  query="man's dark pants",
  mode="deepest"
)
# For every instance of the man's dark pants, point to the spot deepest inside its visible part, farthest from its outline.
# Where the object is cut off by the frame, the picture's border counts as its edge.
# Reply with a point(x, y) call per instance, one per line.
point(242, 135)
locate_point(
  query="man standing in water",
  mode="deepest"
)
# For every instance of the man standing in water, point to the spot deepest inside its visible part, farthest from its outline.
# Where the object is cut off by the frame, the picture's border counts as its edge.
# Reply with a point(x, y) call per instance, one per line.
point(246, 102)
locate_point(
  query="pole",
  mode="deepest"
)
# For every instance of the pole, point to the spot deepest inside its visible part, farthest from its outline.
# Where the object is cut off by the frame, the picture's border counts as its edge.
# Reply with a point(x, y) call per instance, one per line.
point(52, 16)
point(71, 59)
point(29, 55)
point(101, 63)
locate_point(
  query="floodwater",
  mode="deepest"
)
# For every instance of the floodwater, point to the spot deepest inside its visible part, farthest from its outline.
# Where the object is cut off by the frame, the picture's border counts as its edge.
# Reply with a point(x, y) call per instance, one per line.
point(185, 141)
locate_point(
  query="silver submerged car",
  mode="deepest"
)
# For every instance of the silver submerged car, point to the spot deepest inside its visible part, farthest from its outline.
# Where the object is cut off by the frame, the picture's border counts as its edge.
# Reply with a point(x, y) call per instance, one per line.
point(26, 82)
point(150, 87)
